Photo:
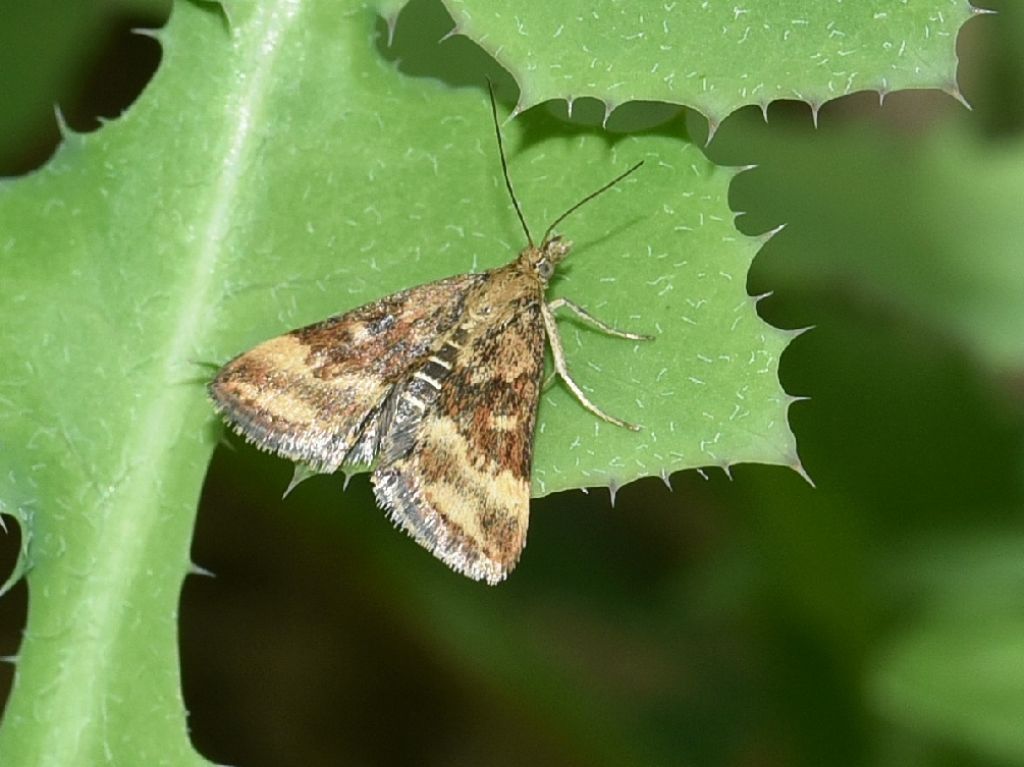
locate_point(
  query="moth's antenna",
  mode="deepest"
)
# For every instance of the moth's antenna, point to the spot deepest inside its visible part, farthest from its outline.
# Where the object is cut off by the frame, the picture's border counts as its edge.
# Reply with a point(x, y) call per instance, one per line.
point(504, 165)
point(588, 198)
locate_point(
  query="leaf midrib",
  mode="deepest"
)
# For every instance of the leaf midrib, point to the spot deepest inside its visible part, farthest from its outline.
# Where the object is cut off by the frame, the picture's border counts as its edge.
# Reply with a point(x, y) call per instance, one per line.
point(134, 512)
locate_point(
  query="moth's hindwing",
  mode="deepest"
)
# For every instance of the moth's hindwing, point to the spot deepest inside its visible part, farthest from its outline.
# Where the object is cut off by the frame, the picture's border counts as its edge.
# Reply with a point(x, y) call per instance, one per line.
point(454, 467)
point(318, 394)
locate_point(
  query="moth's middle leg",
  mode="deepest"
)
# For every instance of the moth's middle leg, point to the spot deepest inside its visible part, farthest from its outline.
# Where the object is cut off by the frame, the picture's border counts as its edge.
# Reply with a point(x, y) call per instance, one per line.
point(558, 354)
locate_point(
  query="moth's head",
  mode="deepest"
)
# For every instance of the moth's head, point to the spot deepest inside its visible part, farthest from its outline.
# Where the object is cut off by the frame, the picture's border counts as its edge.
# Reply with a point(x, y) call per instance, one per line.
point(544, 259)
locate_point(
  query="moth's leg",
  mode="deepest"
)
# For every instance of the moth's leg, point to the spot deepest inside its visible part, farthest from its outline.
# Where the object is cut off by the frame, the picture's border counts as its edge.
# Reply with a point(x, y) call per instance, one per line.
point(558, 354)
point(558, 303)
point(548, 381)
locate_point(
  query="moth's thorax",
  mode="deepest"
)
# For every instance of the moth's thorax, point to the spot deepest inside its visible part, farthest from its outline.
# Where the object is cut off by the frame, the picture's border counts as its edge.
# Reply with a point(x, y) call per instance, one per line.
point(543, 260)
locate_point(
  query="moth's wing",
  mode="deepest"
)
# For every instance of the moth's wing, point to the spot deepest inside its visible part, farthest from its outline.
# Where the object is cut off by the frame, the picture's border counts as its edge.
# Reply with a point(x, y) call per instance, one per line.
point(454, 468)
point(318, 394)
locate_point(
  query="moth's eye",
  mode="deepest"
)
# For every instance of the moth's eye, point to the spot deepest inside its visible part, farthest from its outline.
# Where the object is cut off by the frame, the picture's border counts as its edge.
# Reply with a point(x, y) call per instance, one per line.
point(545, 269)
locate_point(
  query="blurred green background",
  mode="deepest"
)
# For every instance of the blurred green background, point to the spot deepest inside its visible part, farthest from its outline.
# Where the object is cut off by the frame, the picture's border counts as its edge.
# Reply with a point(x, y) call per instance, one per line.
point(877, 619)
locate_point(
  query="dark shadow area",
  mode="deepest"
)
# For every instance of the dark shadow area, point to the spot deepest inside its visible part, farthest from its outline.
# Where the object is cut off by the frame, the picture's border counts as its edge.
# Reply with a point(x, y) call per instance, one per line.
point(420, 46)
point(316, 640)
point(84, 61)
point(423, 45)
point(990, 70)
point(13, 608)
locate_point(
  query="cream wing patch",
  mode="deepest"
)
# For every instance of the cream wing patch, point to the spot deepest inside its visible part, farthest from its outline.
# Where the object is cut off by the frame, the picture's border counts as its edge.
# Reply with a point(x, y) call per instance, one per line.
point(465, 508)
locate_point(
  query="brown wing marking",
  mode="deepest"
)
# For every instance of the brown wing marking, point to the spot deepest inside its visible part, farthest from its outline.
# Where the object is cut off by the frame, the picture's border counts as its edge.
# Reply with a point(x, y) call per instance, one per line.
point(319, 394)
point(457, 475)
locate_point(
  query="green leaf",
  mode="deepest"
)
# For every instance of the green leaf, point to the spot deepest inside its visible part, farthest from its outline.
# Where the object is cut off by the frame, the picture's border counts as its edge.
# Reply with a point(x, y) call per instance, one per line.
point(277, 171)
point(713, 56)
point(45, 50)
point(706, 388)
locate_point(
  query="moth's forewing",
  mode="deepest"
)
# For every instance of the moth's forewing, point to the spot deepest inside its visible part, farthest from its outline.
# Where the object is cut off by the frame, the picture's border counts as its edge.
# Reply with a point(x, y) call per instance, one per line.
point(311, 394)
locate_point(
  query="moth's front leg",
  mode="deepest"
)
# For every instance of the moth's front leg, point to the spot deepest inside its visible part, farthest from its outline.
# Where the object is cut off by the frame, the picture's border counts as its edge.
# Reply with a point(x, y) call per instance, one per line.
point(582, 313)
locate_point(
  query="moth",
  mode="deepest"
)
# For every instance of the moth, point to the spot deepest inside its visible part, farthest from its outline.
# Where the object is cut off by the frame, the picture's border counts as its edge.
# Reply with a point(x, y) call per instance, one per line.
point(434, 388)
